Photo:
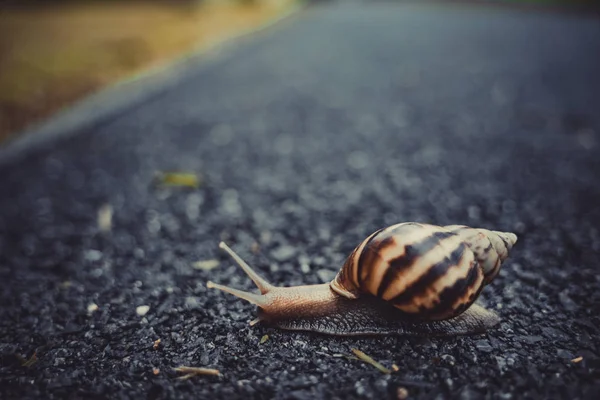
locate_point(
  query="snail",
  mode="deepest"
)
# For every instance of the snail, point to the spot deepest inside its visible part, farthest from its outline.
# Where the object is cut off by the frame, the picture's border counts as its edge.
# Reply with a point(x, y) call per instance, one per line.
point(406, 279)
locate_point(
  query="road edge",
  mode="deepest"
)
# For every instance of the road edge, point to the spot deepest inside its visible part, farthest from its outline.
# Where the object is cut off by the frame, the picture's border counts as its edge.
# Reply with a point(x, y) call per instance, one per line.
point(131, 91)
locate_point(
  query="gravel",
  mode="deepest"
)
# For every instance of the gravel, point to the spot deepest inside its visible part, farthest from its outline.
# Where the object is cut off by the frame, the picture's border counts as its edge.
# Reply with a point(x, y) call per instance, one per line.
point(346, 119)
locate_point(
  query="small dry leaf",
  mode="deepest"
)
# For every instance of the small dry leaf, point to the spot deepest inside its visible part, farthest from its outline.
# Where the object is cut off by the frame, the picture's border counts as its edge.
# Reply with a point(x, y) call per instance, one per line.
point(66, 284)
point(185, 179)
point(105, 214)
point(363, 357)
point(577, 359)
point(395, 368)
point(402, 393)
point(206, 265)
point(264, 339)
point(156, 343)
point(28, 363)
point(190, 372)
point(155, 371)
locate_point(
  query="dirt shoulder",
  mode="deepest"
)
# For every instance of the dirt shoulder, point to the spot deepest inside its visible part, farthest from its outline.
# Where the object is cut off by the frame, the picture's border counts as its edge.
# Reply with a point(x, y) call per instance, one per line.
point(52, 56)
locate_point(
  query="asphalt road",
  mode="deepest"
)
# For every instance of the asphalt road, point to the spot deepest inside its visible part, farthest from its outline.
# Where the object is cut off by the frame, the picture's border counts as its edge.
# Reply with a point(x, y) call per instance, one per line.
point(345, 119)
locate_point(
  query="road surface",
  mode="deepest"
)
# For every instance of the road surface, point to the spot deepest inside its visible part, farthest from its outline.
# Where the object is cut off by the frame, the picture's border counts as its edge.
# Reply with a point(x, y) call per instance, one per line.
point(342, 120)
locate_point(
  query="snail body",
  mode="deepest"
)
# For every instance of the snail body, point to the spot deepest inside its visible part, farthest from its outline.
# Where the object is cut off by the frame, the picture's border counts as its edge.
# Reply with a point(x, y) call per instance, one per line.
point(406, 279)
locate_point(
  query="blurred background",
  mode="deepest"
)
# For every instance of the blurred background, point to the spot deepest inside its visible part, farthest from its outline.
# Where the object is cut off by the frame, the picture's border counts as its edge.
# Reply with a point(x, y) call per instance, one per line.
point(53, 52)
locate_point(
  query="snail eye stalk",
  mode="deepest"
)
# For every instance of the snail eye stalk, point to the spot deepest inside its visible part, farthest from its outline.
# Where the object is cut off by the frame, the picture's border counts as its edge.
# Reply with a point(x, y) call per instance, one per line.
point(258, 280)
point(256, 299)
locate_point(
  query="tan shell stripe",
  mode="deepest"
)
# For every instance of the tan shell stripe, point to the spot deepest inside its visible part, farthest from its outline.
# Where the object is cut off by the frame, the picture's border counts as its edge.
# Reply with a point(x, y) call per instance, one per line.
point(358, 261)
point(371, 256)
point(395, 229)
point(488, 249)
point(506, 246)
point(398, 229)
point(347, 270)
point(411, 253)
point(483, 256)
point(471, 294)
point(435, 272)
point(452, 294)
point(494, 271)
point(458, 228)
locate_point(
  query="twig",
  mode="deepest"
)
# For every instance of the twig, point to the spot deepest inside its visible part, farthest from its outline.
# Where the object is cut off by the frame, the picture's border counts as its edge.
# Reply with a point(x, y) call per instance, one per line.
point(28, 363)
point(363, 357)
point(190, 372)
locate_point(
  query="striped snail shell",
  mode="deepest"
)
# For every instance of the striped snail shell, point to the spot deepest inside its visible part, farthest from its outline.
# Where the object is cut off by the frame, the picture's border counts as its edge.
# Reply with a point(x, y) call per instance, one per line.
point(426, 271)
point(406, 279)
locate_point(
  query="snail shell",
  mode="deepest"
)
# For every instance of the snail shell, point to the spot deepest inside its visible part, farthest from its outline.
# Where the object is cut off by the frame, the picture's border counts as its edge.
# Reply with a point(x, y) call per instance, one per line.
point(428, 272)
point(407, 279)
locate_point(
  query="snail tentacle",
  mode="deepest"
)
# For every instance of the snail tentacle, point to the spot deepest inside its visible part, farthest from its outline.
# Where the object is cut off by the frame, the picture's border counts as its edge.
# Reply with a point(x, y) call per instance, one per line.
point(258, 280)
point(253, 298)
point(278, 303)
point(265, 287)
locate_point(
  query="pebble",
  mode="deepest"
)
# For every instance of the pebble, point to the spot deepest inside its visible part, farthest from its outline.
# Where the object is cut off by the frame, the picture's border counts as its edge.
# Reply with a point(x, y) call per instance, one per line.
point(142, 310)
point(531, 339)
point(92, 307)
point(501, 362)
point(191, 302)
point(283, 253)
point(93, 255)
point(326, 275)
point(402, 393)
point(565, 354)
point(567, 303)
point(448, 359)
point(484, 345)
